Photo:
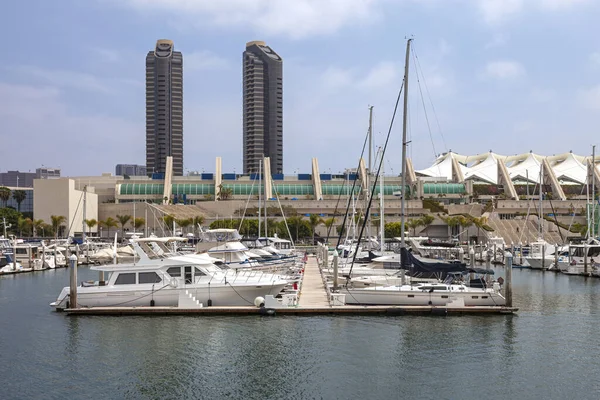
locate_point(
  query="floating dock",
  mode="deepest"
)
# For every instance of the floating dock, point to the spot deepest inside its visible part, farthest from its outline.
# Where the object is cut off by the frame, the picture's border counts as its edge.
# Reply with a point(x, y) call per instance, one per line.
point(313, 300)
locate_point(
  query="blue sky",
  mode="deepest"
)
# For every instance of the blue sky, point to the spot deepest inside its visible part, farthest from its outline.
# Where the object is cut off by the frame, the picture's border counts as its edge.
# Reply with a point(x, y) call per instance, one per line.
point(504, 75)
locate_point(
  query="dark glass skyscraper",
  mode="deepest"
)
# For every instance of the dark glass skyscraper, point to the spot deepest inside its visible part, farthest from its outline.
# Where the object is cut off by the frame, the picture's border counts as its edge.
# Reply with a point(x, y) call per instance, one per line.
point(164, 108)
point(263, 107)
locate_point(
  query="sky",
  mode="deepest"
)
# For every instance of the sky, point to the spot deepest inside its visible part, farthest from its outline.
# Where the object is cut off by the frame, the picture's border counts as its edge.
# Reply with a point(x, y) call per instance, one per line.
point(511, 76)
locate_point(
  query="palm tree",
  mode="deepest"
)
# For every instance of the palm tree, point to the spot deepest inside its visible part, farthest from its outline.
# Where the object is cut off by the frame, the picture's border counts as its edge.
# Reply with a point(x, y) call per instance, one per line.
point(19, 196)
point(110, 222)
point(4, 194)
point(314, 220)
point(57, 221)
point(123, 219)
point(137, 223)
point(427, 220)
point(45, 228)
point(184, 223)
point(295, 221)
point(37, 224)
point(23, 225)
point(90, 224)
point(452, 222)
point(479, 223)
point(413, 224)
point(168, 220)
point(465, 223)
point(224, 193)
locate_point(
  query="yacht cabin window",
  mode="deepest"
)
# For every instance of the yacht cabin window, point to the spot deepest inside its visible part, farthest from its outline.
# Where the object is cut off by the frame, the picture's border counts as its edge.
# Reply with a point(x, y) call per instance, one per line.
point(174, 271)
point(149, 277)
point(125, 279)
point(197, 272)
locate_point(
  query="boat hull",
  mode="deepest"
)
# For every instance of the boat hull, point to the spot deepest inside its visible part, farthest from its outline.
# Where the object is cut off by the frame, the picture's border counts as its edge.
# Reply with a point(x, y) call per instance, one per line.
point(167, 296)
point(385, 296)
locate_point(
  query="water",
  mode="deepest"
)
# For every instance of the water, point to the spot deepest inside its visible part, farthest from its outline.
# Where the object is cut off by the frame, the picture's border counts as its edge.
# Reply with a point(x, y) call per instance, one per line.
point(549, 350)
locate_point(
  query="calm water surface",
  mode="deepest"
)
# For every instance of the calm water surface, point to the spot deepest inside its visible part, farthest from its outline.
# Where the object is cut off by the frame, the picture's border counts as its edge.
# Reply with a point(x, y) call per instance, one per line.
point(549, 350)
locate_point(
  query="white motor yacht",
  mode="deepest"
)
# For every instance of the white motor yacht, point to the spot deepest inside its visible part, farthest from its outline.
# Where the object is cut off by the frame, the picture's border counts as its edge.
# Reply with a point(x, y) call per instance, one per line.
point(163, 282)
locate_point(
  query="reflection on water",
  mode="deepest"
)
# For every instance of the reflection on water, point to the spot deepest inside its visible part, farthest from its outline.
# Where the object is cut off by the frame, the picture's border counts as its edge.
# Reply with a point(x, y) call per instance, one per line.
point(548, 350)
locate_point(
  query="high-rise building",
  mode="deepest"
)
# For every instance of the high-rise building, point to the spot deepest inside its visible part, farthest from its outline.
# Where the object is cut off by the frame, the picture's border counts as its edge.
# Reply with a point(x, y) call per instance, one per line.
point(263, 107)
point(130, 170)
point(164, 108)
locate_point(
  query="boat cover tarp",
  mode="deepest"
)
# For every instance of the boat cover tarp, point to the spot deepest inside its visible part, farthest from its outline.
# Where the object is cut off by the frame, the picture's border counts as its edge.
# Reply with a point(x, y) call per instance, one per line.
point(410, 262)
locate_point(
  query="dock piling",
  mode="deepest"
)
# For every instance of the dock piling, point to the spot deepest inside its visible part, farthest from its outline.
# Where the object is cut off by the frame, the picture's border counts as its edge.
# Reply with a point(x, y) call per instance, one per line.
point(508, 258)
point(73, 282)
point(335, 270)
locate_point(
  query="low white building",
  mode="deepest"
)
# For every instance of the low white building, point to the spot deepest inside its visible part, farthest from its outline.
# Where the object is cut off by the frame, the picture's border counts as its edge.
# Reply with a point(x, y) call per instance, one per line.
point(60, 197)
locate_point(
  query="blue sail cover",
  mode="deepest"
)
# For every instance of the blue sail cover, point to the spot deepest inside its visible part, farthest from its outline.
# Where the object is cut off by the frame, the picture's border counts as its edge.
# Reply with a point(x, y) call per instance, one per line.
point(411, 263)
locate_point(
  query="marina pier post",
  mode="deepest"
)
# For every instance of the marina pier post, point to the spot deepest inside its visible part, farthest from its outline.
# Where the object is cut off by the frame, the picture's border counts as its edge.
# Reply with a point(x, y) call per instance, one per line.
point(73, 283)
point(335, 270)
point(508, 260)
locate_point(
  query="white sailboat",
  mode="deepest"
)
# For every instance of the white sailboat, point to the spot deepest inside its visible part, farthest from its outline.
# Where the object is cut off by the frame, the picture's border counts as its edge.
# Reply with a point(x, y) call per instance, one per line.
point(439, 294)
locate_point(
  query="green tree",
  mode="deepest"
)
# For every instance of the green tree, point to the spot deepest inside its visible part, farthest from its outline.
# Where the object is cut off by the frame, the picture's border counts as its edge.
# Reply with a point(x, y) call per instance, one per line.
point(427, 220)
point(465, 223)
point(314, 220)
point(413, 224)
point(90, 224)
point(184, 223)
point(137, 223)
point(57, 224)
point(4, 194)
point(37, 226)
point(452, 222)
point(224, 193)
point(108, 223)
point(393, 229)
point(168, 220)
point(123, 219)
point(479, 223)
point(19, 196)
point(24, 225)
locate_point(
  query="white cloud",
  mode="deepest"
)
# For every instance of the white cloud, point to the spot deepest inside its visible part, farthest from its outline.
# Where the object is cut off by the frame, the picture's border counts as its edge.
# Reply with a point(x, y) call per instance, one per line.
point(203, 60)
point(72, 79)
point(498, 40)
point(106, 55)
point(296, 19)
point(497, 11)
point(335, 78)
point(595, 59)
point(39, 116)
point(381, 75)
point(503, 70)
point(590, 97)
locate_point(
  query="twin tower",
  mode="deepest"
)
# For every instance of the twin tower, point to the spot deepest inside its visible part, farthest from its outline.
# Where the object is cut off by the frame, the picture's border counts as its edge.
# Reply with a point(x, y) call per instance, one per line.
point(262, 108)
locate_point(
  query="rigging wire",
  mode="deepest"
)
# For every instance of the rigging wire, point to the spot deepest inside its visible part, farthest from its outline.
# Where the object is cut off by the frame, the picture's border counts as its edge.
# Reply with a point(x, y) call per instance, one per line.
point(424, 108)
point(416, 57)
point(377, 178)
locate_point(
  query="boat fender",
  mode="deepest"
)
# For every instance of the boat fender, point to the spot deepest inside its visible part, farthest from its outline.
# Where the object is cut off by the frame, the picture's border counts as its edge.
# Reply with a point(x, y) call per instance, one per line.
point(152, 303)
point(259, 302)
point(174, 283)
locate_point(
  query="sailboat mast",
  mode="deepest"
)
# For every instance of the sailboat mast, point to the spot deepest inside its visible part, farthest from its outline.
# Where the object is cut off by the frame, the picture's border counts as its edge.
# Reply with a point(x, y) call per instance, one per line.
point(404, 121)
point(259, 184)
point(265, 204)
point(370, 163)
point(381, 209)
point(541, 216)
point(593, 191)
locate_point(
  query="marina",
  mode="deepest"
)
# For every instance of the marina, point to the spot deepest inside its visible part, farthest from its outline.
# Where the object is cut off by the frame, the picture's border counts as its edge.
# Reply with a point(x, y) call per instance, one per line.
point(305, 356)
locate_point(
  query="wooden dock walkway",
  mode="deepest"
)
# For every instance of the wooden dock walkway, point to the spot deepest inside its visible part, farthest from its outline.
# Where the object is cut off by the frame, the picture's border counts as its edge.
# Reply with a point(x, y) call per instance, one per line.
point(312, 291)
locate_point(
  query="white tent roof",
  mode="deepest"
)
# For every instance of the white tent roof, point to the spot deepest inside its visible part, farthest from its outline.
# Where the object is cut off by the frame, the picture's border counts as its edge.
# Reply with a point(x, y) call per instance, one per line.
point(567, 167)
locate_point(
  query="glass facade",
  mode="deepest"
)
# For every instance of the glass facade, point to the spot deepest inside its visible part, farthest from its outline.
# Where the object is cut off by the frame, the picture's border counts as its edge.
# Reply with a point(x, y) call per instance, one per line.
point(443, 188)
